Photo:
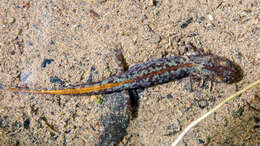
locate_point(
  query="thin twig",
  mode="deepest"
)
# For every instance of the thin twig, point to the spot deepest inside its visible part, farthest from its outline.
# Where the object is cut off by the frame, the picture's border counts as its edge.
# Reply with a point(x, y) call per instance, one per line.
point(194, 123)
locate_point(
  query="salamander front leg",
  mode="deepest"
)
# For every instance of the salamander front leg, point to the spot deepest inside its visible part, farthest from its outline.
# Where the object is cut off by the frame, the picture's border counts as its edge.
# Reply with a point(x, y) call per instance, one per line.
point(121, 64)
point(90, 77)
point(191, 80)
point(189, 47)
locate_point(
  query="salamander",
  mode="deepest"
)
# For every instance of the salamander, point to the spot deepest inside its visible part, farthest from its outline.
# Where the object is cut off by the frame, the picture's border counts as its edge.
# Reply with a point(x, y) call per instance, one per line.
point(195, 64)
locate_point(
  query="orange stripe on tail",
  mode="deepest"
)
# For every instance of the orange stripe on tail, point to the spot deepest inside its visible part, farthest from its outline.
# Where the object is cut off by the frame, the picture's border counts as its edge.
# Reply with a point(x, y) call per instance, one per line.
point(71, 91)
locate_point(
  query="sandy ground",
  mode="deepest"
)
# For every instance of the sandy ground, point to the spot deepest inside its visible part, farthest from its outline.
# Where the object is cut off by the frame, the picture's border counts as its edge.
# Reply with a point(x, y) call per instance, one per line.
point(78, 35)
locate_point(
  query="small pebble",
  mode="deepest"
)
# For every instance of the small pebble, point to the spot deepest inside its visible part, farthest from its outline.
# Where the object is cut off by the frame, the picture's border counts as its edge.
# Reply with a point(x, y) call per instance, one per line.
point(94, 13)
point(144, 17)
point(154, 2)
point(201, 19)
point(86, 136)
point(68, 131)
point(238, 113)
point(201, 141)
point(156, 38)
point(45, 62)
point(203, 103)
point(10, 20)
point(186, 23)
point(210, 17)
point(210, 26)
point(171, 133)
point(30, 43)
point(169, 96)
point(56, 80)
point(52, 42)
point(16, 125)
point(169, 127)
point(248, 11)
point(24, 76)
point(26, 123)
point(53, 136)
point(1, 86)
point(187, 109)
point(99, 100)
point(107, 27)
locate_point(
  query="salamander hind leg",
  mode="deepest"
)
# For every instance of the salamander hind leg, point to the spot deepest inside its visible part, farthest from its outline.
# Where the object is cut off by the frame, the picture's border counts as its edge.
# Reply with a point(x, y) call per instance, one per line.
point(189, 47)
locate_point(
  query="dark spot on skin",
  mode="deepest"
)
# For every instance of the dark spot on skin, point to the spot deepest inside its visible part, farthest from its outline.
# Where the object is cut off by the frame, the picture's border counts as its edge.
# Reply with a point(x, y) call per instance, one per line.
point(256, 127)
point(257, 119)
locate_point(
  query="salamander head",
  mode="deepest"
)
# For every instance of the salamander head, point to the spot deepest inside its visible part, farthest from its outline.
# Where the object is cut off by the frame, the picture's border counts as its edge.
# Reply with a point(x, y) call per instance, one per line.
point(216, 68)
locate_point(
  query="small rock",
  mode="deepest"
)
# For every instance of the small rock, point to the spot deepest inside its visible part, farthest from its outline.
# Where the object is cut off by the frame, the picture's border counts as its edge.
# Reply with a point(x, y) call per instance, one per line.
point(52, 42)
point(156, 38)
point(144, 17)
point(94, 13)
point(16, 125)
point(107, 27)
point(56, 80)
point(26, 123)
point(154, 2)
point(186, 23)
point(53, 136)
point(169, 96)
point(45, 62)
point(201, 141)
point(203, 104)
point(25, 76)
point(169, 127)
point(201, 19)
point(238, 113)
point(210, 17)
point(10, 20)
point(248, 11)
point(171, 133)
point(210, 26)
point(99, 100)
point(30, 43)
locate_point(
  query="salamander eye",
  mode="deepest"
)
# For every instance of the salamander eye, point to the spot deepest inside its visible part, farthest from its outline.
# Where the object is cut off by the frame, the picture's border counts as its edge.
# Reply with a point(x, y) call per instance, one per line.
point(225, 80)
point(229, 64)
point(219, 79)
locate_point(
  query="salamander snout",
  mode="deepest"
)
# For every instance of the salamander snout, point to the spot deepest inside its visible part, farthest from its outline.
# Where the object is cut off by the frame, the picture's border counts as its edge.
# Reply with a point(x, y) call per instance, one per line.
point(229, 72)
point(217, 69)
point(225, 70)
